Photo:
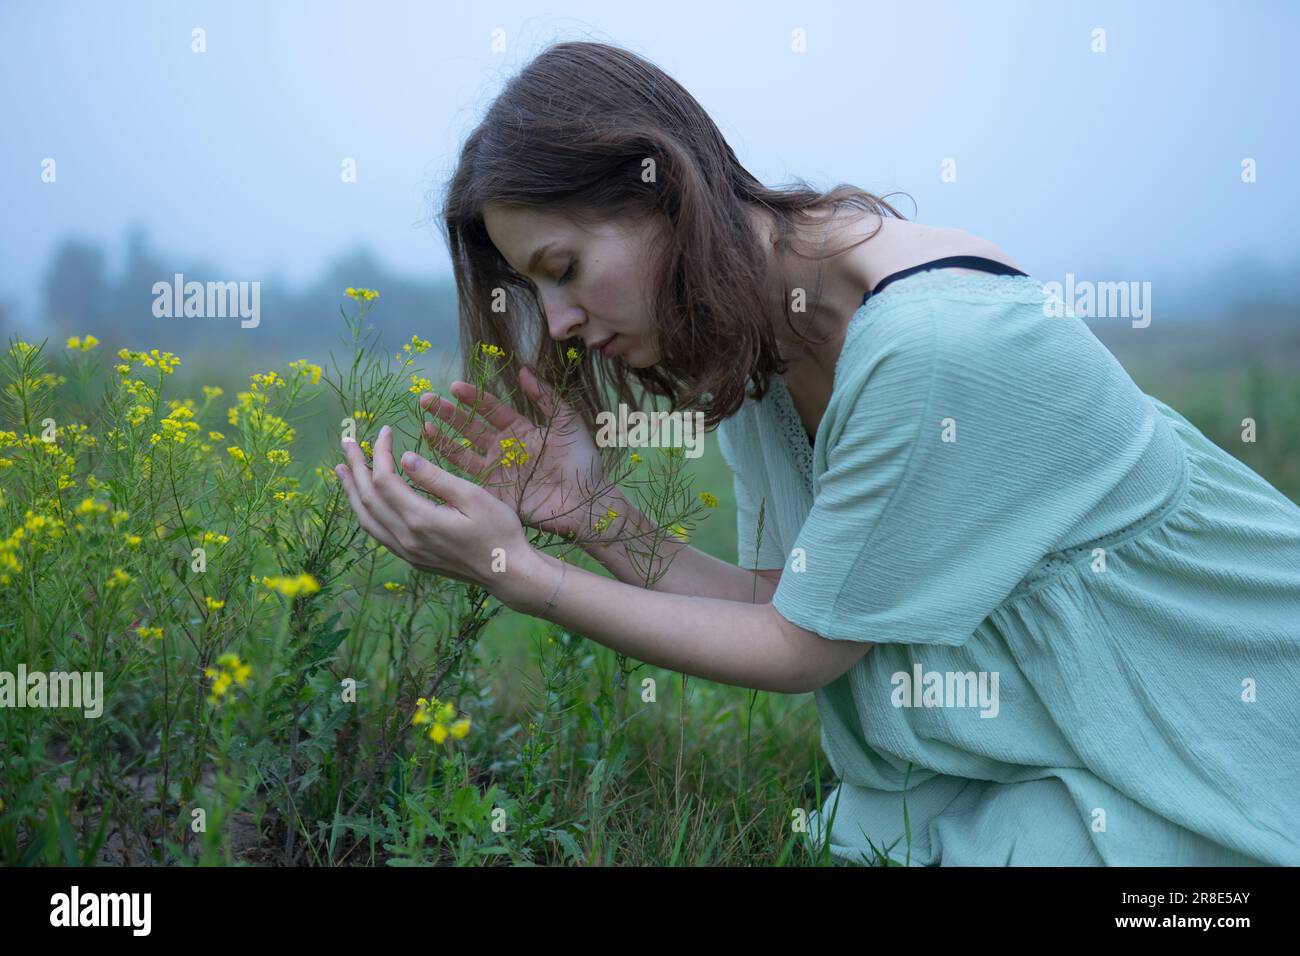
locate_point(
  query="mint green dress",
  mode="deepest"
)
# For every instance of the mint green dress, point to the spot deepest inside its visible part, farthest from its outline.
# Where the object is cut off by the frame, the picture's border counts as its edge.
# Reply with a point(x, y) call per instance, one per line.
point(1085, 616)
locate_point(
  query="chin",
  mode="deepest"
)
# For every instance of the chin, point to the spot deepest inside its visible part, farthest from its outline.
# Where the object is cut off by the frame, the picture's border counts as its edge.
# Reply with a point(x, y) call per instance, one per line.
point(635, 361)
point(636, 358)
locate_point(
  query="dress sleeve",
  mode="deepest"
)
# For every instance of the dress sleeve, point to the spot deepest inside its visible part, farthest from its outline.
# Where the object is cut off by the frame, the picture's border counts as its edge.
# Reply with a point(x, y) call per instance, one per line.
point(959, 454)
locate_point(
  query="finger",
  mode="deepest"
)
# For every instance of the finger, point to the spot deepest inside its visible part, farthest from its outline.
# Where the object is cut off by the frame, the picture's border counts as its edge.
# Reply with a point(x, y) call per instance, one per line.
point(382, 459)
point(368, 524)
point(461, 420)
point(498, 413)
point(391, 488)
point(364, 481)
point(556, 409)
point(443, 484)
point(538, 391)
point(463, 456)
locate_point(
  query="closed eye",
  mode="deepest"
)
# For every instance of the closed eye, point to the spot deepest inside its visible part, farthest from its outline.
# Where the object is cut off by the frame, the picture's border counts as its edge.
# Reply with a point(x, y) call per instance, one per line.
point(568, 276)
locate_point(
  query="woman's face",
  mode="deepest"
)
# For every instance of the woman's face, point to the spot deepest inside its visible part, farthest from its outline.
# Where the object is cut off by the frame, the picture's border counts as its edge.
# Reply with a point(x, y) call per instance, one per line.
point(593, 282)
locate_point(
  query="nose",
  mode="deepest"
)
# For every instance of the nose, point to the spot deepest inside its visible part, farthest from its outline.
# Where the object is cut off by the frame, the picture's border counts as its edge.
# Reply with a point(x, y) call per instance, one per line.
point(563, 318)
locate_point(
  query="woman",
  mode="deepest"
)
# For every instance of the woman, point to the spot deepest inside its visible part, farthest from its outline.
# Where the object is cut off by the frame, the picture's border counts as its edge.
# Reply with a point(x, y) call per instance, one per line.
point(1032, 602)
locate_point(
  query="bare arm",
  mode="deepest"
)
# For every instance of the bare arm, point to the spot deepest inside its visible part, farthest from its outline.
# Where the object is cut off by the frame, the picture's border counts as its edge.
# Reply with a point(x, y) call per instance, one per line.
point(622, 551)
point(731, 642)
point(744, 644)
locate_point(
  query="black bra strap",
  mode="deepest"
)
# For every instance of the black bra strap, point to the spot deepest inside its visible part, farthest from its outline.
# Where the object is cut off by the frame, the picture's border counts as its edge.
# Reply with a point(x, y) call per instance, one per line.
point(963, 262)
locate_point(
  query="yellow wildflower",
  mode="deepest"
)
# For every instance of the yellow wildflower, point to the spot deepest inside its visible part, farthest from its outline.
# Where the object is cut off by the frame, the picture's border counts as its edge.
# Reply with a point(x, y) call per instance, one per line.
point(438, 715)
point(269, 380)
point(308, 371)
point(272, 427)
point(165, 362)
point(512, 455)
point(604, 520)
point(708, 499)
point(230, 670)
point(299, 586)
point(179, 424)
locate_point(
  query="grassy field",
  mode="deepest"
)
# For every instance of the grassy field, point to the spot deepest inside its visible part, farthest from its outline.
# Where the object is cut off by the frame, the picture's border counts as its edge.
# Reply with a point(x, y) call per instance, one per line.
point(1216, 376)
point(563, 761)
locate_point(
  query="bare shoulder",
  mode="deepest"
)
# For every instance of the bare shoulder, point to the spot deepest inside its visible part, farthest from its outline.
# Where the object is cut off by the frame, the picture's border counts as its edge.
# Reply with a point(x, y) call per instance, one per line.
point(980, 246)
point(899, 244)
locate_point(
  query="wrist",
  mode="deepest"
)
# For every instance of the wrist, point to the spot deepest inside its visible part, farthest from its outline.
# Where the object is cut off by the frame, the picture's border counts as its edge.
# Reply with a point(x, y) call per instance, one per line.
point(531, 581)
point(595, 541)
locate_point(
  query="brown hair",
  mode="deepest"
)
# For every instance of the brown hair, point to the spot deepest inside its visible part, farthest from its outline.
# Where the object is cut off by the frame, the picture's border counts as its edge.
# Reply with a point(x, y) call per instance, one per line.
point(570, 132)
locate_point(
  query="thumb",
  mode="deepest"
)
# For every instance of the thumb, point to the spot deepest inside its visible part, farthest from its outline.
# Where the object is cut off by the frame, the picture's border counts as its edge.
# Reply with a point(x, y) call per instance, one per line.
point(425, 474)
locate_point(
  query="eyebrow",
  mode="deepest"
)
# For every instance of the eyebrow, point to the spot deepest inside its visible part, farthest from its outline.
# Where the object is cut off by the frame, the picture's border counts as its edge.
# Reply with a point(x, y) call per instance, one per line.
point(537, 257)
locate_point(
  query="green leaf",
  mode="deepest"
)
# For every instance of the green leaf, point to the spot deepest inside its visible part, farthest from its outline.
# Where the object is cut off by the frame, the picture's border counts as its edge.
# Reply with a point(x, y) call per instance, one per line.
point(572, 852)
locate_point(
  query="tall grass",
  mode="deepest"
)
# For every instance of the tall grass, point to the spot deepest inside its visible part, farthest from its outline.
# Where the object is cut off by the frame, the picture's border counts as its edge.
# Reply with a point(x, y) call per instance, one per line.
point(280, 689)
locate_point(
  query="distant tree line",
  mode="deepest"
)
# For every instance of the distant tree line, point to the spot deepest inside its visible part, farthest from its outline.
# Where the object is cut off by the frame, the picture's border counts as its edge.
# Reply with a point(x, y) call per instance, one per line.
point(80, 294)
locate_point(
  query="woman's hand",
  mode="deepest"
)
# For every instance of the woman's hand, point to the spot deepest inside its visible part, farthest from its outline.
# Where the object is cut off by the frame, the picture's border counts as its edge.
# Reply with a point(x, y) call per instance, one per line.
point(562, 487)
point(456, 540)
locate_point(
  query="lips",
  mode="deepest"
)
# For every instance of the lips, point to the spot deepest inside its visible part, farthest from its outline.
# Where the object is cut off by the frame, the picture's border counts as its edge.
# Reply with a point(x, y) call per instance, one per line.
point(604, 346)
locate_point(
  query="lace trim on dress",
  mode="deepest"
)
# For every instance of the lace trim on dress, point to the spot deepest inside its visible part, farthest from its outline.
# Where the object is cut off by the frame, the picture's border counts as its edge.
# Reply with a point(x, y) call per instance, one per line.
point(790, 425)
point(1009, 288)
point(987, 287)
